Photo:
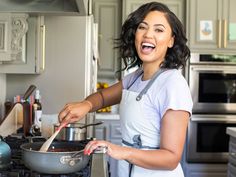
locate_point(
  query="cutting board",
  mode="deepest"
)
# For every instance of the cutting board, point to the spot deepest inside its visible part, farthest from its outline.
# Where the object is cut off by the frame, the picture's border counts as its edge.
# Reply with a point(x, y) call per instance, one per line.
point(13, 121)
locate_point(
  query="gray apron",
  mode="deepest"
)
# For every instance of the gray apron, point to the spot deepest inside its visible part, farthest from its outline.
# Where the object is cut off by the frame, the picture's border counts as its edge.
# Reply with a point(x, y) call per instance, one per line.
point(139, 132)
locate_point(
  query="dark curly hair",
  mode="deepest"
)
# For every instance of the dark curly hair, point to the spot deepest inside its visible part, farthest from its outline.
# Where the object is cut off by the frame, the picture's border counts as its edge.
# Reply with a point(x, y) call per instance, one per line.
point(176, 56)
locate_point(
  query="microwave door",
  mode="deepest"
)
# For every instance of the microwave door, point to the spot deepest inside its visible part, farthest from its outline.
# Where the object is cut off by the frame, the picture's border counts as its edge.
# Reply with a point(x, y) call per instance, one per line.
point(213, 89)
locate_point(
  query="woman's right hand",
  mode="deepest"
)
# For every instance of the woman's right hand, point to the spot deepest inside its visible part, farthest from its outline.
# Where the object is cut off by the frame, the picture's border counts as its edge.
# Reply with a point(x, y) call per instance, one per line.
point(73, 112)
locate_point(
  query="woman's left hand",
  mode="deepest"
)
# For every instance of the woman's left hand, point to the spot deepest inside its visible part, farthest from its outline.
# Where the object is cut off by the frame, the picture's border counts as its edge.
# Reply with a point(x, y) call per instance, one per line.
point(113, 150)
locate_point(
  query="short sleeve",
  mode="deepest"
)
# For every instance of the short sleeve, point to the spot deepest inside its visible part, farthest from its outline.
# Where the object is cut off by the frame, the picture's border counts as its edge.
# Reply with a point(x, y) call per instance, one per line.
point(175, 95)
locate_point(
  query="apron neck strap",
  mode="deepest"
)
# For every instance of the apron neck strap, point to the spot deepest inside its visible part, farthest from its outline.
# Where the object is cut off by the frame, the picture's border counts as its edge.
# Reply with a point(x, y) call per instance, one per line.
point(149, 84)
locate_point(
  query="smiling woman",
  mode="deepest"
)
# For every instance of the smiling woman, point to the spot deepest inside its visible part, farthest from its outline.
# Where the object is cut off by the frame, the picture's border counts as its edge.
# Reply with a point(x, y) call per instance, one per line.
point(155, 100)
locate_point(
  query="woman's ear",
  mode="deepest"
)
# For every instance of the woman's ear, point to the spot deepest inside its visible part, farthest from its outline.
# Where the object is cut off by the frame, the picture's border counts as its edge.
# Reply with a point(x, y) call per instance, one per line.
point(172, 41)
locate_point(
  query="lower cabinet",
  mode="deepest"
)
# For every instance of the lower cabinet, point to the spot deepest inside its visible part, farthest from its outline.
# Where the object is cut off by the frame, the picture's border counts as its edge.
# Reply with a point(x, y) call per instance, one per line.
point(232, 157)
point(110, 131)
point(231, 170)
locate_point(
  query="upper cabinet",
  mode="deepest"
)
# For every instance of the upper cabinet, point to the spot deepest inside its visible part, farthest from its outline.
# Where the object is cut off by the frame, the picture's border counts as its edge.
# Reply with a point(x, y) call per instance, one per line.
point(177, 6)
point(22, 43)
point(212, 26)
point(5, 35)
point(107, 13)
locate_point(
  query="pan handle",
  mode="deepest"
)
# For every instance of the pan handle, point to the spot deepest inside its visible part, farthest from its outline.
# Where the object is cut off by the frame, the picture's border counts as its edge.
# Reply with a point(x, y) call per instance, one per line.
point(72, 160)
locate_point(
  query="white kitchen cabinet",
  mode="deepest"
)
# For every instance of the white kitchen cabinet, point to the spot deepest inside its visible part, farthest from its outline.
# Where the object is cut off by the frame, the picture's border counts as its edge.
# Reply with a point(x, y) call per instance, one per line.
point(31, 58)
point(5, 36)
point(107, 13)
point(212, 26)
point(177, 6)
point(110, 131)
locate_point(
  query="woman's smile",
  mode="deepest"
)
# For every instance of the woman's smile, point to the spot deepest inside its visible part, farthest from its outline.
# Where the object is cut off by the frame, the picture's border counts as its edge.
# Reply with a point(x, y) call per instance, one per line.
point(147, 48)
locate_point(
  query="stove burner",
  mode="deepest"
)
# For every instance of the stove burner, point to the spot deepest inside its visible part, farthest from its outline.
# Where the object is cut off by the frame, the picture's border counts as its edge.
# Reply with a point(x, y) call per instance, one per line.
point(17, 168)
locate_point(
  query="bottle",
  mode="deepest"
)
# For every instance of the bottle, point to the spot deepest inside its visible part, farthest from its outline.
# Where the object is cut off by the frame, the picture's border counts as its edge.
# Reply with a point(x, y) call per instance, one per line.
point(37, 112)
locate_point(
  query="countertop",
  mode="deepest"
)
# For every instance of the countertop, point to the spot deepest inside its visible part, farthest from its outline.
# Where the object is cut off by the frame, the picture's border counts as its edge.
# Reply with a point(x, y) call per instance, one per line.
point(231, 131)
point(107, 116)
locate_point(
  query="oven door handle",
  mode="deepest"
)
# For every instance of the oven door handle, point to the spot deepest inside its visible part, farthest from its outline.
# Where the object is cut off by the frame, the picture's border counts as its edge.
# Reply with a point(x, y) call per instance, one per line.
point(220, 68)
point(215, 119)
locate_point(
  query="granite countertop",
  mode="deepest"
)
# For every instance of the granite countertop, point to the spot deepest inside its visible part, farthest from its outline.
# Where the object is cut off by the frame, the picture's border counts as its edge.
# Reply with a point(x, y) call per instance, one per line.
point(231, 131)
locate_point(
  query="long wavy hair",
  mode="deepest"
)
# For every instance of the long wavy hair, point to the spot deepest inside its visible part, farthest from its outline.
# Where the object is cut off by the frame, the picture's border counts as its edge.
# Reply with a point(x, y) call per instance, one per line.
point(176, 56)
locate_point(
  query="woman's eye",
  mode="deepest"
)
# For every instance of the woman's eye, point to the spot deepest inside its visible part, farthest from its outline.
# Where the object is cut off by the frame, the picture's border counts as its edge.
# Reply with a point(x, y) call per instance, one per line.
point(159, 30)
point(141, 27)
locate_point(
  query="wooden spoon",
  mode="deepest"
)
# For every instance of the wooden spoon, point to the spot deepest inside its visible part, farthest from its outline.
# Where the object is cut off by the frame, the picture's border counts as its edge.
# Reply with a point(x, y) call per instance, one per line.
point(46, 144)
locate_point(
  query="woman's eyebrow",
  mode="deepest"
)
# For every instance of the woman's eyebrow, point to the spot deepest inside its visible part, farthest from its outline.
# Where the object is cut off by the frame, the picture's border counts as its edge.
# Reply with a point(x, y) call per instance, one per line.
point(156, 25)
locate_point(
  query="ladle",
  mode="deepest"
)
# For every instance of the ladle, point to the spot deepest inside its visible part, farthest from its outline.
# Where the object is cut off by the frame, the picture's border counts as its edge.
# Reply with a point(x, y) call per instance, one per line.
point(46, 144)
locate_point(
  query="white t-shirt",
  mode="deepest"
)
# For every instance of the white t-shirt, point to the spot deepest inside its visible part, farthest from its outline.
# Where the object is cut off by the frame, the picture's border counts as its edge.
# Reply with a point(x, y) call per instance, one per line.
point(169, 91)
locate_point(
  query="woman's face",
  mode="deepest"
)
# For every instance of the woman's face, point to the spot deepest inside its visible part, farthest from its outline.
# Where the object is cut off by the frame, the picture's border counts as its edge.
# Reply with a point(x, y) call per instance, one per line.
point(153, 37)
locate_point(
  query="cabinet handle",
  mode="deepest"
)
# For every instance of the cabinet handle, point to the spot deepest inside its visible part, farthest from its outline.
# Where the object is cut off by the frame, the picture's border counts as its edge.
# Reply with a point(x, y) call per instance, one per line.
point(219, 34)
point(225, 33)
point(42, 67)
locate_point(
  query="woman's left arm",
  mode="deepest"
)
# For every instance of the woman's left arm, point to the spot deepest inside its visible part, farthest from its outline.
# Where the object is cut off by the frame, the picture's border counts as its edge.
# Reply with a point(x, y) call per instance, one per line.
point(173, 133)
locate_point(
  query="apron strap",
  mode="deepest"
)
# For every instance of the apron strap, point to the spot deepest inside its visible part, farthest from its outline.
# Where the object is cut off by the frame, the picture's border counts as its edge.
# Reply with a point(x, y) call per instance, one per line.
point(138, 145)
point(149, 84)
point(138, 75)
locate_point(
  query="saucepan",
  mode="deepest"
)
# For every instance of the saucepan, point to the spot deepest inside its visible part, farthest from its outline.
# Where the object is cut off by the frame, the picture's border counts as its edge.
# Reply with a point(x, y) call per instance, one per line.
point(61, 158)
point(74, 131)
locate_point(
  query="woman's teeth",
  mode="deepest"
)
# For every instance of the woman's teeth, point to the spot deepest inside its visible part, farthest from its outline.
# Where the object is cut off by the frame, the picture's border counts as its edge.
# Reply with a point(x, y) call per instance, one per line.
point(148, 45)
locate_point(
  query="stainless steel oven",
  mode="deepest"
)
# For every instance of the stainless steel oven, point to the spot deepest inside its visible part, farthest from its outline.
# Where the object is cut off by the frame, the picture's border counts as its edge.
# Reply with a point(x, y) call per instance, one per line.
point(213, 88)
point(207, 141)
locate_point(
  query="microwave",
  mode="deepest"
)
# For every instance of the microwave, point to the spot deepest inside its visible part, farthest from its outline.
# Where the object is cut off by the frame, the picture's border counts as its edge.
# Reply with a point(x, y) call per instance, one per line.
point(213, 88)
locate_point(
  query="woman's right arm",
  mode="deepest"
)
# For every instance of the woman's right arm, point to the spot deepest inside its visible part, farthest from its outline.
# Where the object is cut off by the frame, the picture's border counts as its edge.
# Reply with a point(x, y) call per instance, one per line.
point(73, 112)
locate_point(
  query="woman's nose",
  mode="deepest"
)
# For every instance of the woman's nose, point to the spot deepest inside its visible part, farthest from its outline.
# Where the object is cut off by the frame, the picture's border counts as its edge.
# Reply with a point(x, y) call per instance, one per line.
point(148, 33)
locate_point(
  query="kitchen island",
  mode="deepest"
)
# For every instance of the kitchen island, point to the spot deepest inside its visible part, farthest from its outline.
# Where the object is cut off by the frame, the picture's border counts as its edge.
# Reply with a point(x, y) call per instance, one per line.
point(231, 131)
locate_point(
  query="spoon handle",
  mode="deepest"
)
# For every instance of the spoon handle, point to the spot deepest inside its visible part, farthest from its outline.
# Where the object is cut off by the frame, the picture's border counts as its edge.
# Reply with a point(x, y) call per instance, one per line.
point(46, 144)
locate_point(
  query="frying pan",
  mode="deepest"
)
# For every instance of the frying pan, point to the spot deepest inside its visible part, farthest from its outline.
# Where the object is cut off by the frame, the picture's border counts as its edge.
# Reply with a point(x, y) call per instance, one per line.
point(61, 158)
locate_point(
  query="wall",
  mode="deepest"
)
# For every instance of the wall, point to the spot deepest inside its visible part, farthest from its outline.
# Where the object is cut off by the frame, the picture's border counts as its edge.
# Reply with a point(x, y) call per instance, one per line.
point(64, 77)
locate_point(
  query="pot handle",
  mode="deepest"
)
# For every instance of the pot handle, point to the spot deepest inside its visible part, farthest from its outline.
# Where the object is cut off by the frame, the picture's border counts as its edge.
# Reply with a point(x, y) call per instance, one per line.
point(92, 124)
point(72, 160)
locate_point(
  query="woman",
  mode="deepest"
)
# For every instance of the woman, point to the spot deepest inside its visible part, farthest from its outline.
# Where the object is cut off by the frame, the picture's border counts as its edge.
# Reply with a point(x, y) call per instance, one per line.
point(155, 101)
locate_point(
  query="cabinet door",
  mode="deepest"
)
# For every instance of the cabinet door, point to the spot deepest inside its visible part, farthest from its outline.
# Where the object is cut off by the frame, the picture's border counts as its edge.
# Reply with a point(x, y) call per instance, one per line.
point(102, 132)
point(211, 26)
point(5, 36)
point(107, 13)
point(204, 21)
point(229, 24)
point(177, 6)
point(35, 50)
